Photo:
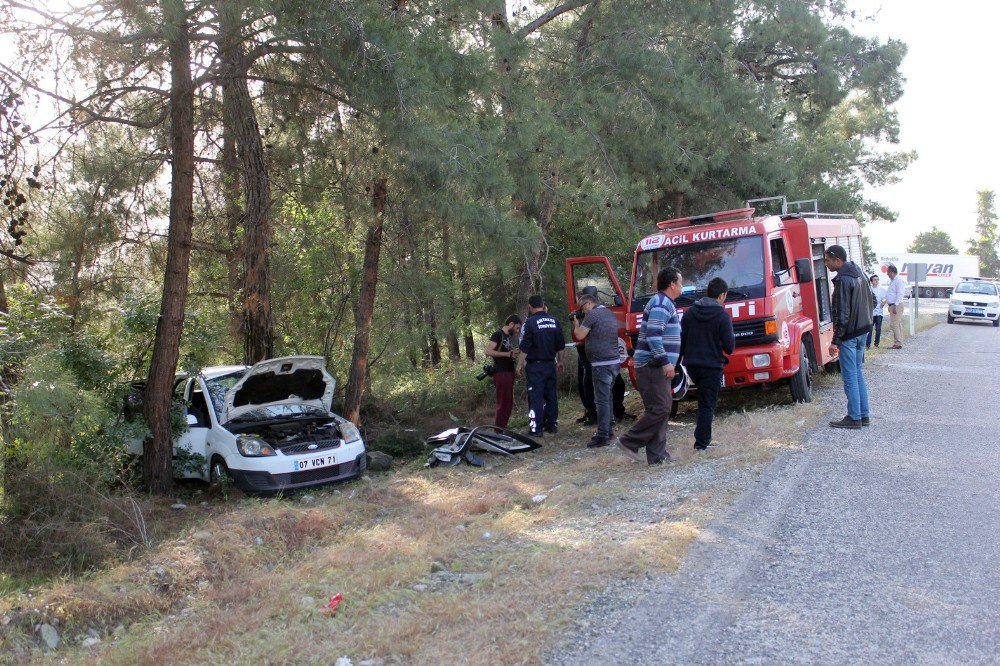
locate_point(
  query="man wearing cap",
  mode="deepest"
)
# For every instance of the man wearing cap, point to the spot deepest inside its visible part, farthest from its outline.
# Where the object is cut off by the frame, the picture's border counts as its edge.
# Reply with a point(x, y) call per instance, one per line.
point(894, 296)
point(599, 327)
point(656, 355)
point(852, 319)
point(542, 344)
point(706, 338)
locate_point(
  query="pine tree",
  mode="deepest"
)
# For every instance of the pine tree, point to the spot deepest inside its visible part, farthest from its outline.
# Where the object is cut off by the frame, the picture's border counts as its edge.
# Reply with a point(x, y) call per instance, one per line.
point(935, 241)
point(986, 242)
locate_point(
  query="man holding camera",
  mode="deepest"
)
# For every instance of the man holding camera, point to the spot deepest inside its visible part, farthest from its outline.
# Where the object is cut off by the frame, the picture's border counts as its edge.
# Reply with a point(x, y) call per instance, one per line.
point(542, 344)
point(503, 350)
point(599, 327)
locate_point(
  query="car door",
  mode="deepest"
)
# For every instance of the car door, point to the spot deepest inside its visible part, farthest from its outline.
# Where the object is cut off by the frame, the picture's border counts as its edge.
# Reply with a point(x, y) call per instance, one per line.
point(197, 413)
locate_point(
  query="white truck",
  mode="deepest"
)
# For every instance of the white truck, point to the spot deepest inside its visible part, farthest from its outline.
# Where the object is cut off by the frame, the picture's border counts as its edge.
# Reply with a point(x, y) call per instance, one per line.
point(944, 271)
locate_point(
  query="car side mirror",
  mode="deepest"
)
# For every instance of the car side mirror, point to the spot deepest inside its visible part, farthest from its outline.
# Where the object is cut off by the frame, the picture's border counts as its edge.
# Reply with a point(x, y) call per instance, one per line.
point(804, 269)
point(192, 420)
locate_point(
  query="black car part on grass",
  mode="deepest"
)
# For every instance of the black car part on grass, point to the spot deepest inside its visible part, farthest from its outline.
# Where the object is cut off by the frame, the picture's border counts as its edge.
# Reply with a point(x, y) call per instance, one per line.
point(454, 445)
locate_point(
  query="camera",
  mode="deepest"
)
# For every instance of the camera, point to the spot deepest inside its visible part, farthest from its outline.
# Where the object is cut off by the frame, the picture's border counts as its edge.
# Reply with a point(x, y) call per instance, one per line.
point(488, 371)
point(576, 314)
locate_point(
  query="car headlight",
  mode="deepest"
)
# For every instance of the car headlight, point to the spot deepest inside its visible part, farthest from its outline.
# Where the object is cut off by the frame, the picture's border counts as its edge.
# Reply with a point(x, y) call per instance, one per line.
point(253, 446)
point(349, 432)
point(955, 301)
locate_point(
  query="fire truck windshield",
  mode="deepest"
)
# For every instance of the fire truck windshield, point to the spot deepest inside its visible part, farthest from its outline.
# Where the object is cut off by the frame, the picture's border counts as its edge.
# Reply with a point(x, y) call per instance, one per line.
point(739, 261)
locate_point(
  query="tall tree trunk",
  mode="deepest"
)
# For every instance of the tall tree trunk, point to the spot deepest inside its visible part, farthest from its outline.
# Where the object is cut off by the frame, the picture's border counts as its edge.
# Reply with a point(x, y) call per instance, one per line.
point(470, 342)
point(158, 448)
point(358, 375)
point(258, 322)
point(4, 305)
point(234, 215)
point(433, 355)
point(534, 259)
point(454, 353)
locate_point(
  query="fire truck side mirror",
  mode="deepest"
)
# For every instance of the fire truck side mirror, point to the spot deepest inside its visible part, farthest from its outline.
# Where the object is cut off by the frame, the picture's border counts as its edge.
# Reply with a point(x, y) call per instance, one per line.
point(618, 301)
point(804, 270)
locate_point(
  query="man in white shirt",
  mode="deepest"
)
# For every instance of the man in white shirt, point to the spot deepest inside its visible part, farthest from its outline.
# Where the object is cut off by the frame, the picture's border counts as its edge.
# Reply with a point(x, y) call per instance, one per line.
point(878, 296)
point(894, 296)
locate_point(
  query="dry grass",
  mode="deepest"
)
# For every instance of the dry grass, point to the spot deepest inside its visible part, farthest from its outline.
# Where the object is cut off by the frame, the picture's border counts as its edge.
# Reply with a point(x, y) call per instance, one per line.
point(248, 582)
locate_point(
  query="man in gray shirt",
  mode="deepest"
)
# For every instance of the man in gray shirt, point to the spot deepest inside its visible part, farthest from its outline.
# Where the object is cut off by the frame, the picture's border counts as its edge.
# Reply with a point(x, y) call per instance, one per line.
point(600, 328)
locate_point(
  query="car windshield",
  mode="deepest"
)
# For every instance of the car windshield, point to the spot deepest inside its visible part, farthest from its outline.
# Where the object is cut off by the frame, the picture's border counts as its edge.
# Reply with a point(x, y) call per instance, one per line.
point(976, 288)
point(739, 261)
point(218, 387)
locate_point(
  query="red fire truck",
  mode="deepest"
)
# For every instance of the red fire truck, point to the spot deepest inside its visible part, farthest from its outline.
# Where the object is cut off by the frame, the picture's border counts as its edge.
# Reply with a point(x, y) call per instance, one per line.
point(779, 289)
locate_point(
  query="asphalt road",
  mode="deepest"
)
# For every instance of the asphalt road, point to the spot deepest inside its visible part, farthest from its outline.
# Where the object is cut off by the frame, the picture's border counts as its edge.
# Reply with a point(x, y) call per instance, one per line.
point(876, 546)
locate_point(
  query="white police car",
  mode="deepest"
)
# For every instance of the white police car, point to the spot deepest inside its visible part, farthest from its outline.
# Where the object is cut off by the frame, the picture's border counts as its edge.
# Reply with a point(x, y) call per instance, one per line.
point(267, 428)
point(975, 299)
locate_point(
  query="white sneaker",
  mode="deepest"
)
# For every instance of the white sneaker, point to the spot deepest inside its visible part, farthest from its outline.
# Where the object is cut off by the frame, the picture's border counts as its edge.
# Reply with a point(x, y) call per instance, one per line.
point(634, 455)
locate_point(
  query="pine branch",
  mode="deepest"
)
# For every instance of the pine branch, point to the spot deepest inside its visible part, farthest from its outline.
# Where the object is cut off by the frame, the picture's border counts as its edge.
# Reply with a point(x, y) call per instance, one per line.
point(550, 15)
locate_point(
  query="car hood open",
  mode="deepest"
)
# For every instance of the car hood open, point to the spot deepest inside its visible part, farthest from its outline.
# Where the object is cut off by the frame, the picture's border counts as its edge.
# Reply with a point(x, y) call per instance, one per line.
point(290, 380)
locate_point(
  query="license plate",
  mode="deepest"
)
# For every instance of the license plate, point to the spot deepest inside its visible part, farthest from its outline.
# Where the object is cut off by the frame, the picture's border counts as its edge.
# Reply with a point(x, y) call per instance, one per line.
point(313, 463)
point(977, 311)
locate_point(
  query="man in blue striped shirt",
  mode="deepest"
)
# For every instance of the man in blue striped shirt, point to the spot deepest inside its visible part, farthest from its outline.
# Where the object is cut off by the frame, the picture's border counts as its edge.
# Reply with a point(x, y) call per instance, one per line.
point(656, 355)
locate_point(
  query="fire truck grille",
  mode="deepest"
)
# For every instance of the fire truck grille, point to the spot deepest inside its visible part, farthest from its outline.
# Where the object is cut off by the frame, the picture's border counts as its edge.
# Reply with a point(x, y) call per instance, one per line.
point(752, 333)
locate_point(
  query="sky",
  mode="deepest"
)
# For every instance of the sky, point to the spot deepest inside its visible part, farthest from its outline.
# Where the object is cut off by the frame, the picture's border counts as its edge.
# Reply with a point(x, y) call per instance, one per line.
point(949, 114)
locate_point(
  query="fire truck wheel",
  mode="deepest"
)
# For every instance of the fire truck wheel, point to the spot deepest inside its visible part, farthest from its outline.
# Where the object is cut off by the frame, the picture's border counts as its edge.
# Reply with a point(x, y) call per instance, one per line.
point(674, 404)
point(801, 381)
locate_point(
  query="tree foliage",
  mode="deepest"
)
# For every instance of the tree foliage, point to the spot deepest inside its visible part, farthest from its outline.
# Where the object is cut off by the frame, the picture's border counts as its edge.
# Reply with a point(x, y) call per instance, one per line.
point(382, 182)
point(935, 241)
point(986, 242)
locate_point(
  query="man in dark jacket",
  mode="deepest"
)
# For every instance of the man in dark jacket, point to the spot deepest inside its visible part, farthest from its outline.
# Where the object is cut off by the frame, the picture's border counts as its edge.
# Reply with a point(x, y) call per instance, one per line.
point(706, 338)
point(852, 319)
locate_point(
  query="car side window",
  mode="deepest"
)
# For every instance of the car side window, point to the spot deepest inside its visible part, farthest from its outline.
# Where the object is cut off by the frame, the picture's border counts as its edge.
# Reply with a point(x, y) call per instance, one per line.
point(199, 407)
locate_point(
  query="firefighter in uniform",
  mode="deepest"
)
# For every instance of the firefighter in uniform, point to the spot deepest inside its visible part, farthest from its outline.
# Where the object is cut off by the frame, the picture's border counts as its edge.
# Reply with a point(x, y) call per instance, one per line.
point(542, 345)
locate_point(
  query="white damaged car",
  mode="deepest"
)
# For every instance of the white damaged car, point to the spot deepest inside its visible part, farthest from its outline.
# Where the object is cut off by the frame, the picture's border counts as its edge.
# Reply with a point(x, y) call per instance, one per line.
point(267, 428)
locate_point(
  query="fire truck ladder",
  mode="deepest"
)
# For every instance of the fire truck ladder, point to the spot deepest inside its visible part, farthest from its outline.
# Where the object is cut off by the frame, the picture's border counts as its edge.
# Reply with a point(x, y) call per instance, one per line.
point(799, 207)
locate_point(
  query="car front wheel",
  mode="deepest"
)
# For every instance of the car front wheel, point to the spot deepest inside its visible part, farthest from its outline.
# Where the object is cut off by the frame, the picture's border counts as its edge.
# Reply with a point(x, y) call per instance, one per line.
point(218, 473)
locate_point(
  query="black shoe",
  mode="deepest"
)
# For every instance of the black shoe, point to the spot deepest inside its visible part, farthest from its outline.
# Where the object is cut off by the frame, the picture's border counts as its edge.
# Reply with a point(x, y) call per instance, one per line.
point(866, 420)
point(587, 419)
point(711, 445)
point(846, 422)
point(532, 433)
point(598, 442)
point(552, 428)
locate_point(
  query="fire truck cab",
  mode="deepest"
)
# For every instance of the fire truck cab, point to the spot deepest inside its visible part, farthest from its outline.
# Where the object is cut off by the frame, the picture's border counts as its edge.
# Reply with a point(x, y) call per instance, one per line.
point(779, 288)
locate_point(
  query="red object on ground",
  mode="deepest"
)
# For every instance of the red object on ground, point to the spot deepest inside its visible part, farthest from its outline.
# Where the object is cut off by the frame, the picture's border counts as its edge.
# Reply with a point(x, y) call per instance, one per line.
point(334, 604)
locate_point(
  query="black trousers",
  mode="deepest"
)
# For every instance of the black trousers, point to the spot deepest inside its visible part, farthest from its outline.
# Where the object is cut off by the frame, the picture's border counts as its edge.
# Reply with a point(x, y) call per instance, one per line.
point(585, 384)
point(543, 402)
point(876, 331)
point(709, 383)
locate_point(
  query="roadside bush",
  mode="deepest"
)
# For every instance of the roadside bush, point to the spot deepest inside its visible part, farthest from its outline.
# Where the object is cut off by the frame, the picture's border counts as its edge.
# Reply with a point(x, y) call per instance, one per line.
point(62, 522)
point(67, 503)
point(400, 443)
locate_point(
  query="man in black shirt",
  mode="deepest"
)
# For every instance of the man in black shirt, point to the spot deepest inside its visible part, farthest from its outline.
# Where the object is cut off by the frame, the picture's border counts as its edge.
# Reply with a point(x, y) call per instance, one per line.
point(502, 348)
point(706, 338)
point(542, 344)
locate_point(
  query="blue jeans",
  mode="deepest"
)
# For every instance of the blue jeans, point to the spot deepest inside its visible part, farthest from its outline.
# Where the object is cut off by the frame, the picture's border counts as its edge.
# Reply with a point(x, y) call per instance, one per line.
point(604, 379)
point(852, 354)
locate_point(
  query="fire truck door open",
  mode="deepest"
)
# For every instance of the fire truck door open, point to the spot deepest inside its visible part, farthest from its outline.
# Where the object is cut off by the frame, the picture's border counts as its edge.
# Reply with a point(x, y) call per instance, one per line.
point(594, 272)
point(824, 287)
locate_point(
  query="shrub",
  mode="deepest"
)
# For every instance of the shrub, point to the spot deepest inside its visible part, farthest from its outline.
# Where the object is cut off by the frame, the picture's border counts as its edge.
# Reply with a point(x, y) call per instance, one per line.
point(400, 443)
